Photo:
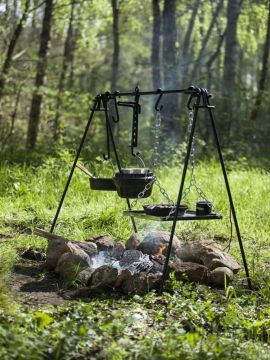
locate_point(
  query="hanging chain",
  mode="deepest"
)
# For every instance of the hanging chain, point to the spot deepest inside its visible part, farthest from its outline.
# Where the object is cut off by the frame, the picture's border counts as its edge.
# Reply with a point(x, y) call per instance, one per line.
point(193, 181)
point(156, 139)
point(192, 155)
point(154, 159)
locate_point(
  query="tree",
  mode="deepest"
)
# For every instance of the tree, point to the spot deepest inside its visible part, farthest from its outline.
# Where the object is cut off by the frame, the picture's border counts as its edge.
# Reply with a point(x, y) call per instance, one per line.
point(11, 47)
point(229, 107)
point(40, 75)
point(116, 46)
point(264, 71)
point(67, 57)
point(231, 47)
point(184, 62)
point(170, 75)
point(155, 58)
point(206, 40)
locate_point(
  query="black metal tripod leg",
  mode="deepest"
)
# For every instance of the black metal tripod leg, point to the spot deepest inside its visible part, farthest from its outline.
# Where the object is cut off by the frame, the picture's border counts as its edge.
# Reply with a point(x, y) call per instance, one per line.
point(230, 198)
point(132, 218)
point(73, 167)
point(169, 249)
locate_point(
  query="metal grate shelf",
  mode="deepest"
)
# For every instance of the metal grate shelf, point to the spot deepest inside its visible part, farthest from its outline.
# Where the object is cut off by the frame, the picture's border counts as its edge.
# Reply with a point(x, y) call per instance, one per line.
point(189, 215)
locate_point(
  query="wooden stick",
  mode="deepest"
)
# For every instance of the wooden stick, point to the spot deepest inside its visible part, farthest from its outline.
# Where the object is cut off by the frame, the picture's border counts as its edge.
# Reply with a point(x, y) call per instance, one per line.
point(86, 171)
point(47, 235)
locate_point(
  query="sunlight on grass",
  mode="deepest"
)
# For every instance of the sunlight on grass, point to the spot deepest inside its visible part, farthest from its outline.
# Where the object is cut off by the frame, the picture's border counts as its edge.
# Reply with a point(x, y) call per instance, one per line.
point(195, 322)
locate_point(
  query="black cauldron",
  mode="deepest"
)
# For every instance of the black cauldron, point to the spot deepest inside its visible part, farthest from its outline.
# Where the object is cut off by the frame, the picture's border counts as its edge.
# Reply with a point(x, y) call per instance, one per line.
point(130, 182)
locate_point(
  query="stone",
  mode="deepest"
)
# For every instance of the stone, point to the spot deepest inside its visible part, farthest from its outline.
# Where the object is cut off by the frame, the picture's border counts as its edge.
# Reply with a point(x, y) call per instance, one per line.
point(208, 253)
point(218, 275)
point(85, 275)
point(140, 283)
point(89, 247)
point(103, 242)
point(117, 250)
point(190, 271)
point(144, 265)
point(104, 276)
point(72, 262)
point(133, 242)
point(33, 254)
point(157, 266)
point(130, 257)
point(56, 248)
point(156, 241)
point(59, 246)
point(124, 275)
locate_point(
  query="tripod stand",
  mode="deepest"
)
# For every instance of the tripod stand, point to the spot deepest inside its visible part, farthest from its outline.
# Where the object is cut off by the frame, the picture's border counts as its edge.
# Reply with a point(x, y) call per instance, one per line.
point(202, 101)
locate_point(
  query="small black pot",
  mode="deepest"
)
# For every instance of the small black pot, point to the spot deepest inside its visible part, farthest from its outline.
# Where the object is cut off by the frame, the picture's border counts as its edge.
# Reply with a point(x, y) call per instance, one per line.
point(163, 210)
point(103, 184)
point(203, 207)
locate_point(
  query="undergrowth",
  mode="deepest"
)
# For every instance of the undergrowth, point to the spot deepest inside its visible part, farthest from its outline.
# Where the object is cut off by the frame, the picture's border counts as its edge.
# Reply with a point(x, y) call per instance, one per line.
point(187, 322)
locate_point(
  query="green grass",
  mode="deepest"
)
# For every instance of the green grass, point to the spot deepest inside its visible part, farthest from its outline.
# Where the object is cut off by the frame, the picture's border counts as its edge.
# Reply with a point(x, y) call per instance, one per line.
point(190, 322)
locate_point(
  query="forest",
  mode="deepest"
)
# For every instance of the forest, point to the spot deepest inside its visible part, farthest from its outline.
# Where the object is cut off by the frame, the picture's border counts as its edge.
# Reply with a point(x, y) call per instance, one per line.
point(147, 75)
point(56, 57)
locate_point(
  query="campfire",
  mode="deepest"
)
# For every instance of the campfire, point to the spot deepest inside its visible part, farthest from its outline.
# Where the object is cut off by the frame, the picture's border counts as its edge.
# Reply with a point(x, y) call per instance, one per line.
point(161, 249)
point(100, 263)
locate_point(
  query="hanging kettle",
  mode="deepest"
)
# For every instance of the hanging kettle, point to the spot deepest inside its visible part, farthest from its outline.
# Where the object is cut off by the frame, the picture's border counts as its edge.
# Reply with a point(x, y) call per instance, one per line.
point(130, 182)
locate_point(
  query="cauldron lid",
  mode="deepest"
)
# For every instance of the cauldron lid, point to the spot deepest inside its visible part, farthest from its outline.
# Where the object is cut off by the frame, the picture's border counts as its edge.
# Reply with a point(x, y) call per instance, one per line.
point(132, 173)
point(135, 170)
point(120, 176)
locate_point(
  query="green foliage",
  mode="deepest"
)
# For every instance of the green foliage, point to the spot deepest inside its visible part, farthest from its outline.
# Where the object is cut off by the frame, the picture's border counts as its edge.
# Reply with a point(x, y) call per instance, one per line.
point(187, 322)
point(89, 71)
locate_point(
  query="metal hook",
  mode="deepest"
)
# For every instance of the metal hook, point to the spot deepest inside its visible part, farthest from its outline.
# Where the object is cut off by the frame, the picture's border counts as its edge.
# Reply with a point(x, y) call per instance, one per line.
point(108, 155)
point(189, 106)
point(105, 105)
point(115, 120)
point(135, 154)
point(159, 108)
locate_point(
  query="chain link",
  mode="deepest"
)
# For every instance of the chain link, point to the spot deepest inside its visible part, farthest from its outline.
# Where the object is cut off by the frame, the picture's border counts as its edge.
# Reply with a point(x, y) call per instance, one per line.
point(156, 138)
point(157, 129)
point(155, 156)
point(193, 181)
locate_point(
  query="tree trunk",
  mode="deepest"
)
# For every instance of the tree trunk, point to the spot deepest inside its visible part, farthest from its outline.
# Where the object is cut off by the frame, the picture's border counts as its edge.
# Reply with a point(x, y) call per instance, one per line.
point(34, 15)
point(116, 47)
point(169, 65)
point(13, 118)
point(68, 49)
point(196, 69)
point(169, 40)
point(189, 32)
point(264, 71)
point(40, 75)
point(230, 70)
point(231, 47)
point(13, 42)
point(184, 62)
point(156, 45)
point(75, 37)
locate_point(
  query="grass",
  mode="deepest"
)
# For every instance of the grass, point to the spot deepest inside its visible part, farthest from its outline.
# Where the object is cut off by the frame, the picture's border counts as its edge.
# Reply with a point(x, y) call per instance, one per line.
point(190, 322)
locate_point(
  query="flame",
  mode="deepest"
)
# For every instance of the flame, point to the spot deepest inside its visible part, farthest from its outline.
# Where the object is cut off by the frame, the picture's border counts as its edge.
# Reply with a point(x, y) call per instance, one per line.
point(162, 247)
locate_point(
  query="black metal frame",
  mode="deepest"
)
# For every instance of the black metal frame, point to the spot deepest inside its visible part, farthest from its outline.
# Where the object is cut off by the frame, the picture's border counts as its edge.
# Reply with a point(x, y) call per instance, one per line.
point(202, 100)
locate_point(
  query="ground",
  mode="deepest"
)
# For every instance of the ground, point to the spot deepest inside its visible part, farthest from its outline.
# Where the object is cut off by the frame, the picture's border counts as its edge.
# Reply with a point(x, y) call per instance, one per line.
point(188, 321)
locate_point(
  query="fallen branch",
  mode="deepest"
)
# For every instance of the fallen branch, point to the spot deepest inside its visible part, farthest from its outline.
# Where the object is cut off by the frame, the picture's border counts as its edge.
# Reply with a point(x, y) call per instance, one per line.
point(49, 236)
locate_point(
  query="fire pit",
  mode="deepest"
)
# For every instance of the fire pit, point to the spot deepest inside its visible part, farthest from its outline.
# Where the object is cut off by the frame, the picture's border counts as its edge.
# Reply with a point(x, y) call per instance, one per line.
point(100, 263)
